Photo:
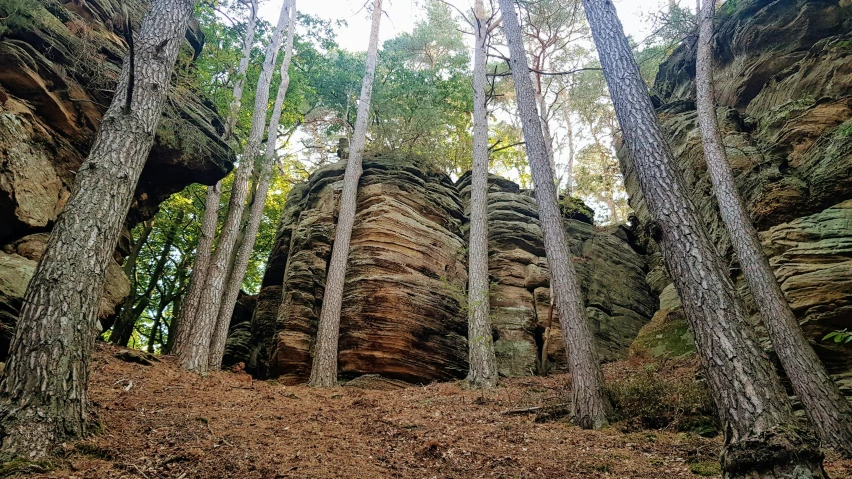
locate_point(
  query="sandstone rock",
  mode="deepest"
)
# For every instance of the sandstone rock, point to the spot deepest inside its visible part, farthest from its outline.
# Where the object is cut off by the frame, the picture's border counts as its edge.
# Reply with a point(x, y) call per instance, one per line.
point(612, 276)
point(239, 332)
point(402, 315)
point(783, 77)
point(60, 63)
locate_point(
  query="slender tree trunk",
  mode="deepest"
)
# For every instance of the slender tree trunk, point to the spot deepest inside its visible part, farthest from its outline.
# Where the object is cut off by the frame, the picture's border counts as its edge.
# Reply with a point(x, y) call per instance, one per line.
point(129, 269)
point(44, 393)
point(589, 402)
point(545, 343)
point(762, 438)
point(126, 323)
point(829, 412)
point(158, 318)
point(324, 370)
point(569, 167)
point(188, 313)
point(483, 363)
point(255, 216)
point(194, 356)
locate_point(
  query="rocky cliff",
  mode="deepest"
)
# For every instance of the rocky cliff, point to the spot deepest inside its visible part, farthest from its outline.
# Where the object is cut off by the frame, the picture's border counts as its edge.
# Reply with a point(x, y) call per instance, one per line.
point(783, 74)
point(404, 297)
point(60, 63)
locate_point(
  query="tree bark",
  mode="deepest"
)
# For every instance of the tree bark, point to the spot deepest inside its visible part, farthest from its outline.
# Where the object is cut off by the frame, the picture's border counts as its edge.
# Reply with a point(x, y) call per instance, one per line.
point(255, 213)
point(762, 439)
point(483, 363)
point(44, 393)
point(589, 402)
point(324, 370)
point(198, 280)
point(194, 356)
point(829, 412)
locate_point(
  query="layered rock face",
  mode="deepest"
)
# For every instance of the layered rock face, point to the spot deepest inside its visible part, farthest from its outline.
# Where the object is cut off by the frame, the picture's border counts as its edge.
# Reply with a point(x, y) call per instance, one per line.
point(611, 273)
point(60, 63)
point(404, 302)
point(783, 74)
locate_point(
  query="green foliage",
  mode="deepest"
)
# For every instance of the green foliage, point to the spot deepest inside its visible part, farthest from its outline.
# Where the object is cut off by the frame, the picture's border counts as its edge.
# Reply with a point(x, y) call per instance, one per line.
point(574, 208)
point(844, 337)
point(648, 401)
point(707, 468)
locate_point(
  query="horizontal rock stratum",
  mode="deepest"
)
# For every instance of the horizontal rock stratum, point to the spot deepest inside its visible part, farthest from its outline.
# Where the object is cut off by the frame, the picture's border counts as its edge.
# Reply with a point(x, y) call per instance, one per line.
point(404, 314)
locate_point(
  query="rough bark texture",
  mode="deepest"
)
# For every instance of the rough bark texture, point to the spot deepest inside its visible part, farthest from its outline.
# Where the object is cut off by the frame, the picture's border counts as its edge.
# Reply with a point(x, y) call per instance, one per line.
point(324, 370)
point(44, 392)
point(483, 363)
point(762, 438)
point(57, 80)
point(830, 413)
point(194, 356)
point(255, 209)
point(589, 403)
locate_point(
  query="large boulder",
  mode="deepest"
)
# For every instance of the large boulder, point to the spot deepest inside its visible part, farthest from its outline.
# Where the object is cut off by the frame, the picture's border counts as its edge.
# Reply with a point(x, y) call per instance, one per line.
point(783, 73)
point(404, 298)
point(60, 64)
point(610, 270)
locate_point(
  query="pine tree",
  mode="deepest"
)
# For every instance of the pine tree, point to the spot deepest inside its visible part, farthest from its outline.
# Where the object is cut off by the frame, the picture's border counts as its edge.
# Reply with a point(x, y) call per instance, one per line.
point(483, 363)
point(762, 438)
point(44, 393)
point(589, 402)
point(829, 412)
point(193, 354)
point(254, 210)
point(324, 369)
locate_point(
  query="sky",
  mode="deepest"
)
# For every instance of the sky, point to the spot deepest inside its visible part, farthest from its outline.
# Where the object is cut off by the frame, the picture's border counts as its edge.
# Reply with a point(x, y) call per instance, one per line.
point(401, 15)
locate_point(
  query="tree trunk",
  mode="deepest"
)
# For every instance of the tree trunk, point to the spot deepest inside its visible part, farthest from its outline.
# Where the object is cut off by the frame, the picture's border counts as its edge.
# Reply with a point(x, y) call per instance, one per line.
point(198, 280)
point(324, 370)
point(158, 318)
point(44, 393)
point(762, 439)
point(483, 363)
point(589, 403)
point(126, 323)
point(255, 216)
point(829, 412)
point(195, 355)
point(129, 269)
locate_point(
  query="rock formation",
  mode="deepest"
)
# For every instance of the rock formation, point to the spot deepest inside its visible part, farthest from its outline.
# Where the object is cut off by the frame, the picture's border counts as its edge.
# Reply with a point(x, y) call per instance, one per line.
point(403, 312)
point(60, 62)
point(784, 85)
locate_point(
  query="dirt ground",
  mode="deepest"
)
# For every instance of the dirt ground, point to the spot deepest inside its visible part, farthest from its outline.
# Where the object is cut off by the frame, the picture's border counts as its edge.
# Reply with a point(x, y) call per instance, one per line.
point(161, 422)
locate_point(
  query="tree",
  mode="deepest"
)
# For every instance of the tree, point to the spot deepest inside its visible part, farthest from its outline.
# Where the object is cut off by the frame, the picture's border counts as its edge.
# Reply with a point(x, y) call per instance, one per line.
point(324, 370)
point(829, 412)
point(193, 353)
point(44, 393)
point(200, 270)
point(589, 403)
point(483, 362)
point(762, 438)
point(254, 210)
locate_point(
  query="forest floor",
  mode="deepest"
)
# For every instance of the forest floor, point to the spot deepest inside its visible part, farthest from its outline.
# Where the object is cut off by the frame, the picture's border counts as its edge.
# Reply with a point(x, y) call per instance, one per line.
point(160, 422)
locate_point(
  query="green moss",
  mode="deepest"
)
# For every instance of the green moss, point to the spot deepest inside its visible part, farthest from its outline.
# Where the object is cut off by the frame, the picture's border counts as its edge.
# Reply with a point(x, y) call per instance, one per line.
point(705, 468)
point(780, 114)
point(844, 130)
point(574, 208)
point(19, 466)
point(666, 336)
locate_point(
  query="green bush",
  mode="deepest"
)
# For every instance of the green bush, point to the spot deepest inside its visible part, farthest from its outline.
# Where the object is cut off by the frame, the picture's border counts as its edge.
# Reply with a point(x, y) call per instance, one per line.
point(574, 208)
point(649, 401)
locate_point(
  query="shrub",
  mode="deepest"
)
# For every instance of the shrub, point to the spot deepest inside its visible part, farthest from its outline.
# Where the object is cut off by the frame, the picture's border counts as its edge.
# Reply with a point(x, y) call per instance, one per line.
point(650, 401)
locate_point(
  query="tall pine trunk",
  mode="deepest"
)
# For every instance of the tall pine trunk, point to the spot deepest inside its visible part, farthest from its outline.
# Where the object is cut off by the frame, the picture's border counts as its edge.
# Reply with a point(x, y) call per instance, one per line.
point(324, 370)
point(590, 404)
point(44, 393)
point(829, 412)
point(194, 355)
point(483, 363)
point(255, 209)
point(200, 269)
point(762, 438)
point(129, 269)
